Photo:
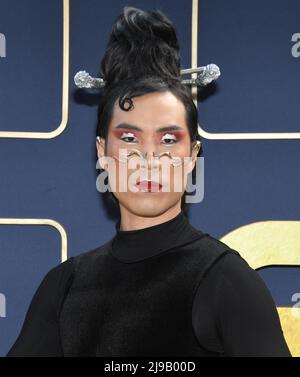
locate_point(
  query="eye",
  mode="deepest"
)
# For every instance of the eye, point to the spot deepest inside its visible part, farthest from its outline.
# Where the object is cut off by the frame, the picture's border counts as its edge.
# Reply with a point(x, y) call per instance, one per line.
point(169, 139)
point(128, 137)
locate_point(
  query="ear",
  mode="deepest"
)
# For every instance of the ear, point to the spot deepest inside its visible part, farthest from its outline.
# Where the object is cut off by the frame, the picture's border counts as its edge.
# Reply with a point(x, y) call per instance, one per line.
point(100, 145)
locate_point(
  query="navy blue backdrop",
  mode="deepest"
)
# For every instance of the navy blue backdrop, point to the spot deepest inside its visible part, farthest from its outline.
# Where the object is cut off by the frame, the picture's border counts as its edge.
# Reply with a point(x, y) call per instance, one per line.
point(256, 45)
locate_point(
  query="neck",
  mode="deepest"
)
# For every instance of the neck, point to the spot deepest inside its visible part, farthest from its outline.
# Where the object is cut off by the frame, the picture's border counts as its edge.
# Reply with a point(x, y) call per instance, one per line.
point(141, 244)
point(132, 221)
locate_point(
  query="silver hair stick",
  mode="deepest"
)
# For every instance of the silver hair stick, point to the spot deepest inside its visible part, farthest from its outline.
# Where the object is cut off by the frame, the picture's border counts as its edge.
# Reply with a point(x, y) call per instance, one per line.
point(83, 79)
point(206, 75)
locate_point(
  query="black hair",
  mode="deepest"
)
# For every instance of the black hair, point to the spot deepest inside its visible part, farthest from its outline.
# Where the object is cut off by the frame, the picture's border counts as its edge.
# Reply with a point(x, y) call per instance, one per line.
point(143, 56)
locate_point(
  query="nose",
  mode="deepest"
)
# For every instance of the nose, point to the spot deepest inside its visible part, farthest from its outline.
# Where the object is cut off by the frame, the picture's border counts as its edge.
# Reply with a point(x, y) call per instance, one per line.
point(151, 158)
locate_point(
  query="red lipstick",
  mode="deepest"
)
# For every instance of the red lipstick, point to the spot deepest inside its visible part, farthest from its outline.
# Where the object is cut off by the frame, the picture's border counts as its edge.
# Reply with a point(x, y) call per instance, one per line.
point(148, 186)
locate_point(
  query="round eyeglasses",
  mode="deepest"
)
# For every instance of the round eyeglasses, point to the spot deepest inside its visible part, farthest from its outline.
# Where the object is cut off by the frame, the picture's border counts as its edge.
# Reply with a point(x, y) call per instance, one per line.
point(134, 155)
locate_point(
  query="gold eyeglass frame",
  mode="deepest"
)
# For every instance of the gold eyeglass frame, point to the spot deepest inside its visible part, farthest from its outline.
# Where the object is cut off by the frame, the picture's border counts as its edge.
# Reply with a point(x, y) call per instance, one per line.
point(176, 161)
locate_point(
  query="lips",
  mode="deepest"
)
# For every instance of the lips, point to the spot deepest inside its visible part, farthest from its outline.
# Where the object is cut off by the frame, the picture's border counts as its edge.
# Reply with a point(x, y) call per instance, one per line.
point(148, 186)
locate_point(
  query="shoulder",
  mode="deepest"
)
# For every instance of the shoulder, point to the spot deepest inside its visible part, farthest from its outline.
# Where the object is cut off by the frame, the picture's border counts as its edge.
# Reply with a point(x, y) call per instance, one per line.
point(238, 290)
point(231, 297)
point(240, 310)
point(232, 285)
point(89, 258)
point(49, 294)
point(232, 273)
point(207, 243)
point(210, 253)
point(58, 275)
point(59, 279)
point(235, 273)
point(86, 265)
point(232, 264)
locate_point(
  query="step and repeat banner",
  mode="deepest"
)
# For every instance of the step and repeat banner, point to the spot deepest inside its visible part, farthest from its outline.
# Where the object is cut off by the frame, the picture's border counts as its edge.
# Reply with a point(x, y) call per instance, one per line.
point(50, 208)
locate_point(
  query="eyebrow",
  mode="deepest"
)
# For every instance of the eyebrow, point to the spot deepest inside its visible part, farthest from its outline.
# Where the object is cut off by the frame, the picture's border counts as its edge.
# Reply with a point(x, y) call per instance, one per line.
point(136, 128)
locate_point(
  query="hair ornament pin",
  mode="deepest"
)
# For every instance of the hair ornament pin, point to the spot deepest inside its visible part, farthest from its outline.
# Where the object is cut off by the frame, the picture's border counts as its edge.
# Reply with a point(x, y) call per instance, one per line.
point(206, 75)
point(197, 146)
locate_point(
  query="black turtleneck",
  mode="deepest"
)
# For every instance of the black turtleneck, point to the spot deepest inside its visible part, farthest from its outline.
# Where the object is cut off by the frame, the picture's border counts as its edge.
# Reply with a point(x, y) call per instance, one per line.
point(135, 245)
point(233, 313)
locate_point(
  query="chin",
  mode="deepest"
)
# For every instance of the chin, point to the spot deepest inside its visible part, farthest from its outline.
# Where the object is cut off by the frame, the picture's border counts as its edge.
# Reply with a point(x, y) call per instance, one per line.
point(149, 205)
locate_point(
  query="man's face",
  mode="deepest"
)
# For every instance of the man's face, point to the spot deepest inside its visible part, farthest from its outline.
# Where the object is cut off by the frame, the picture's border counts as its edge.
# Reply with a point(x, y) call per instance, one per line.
point(156, 124)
